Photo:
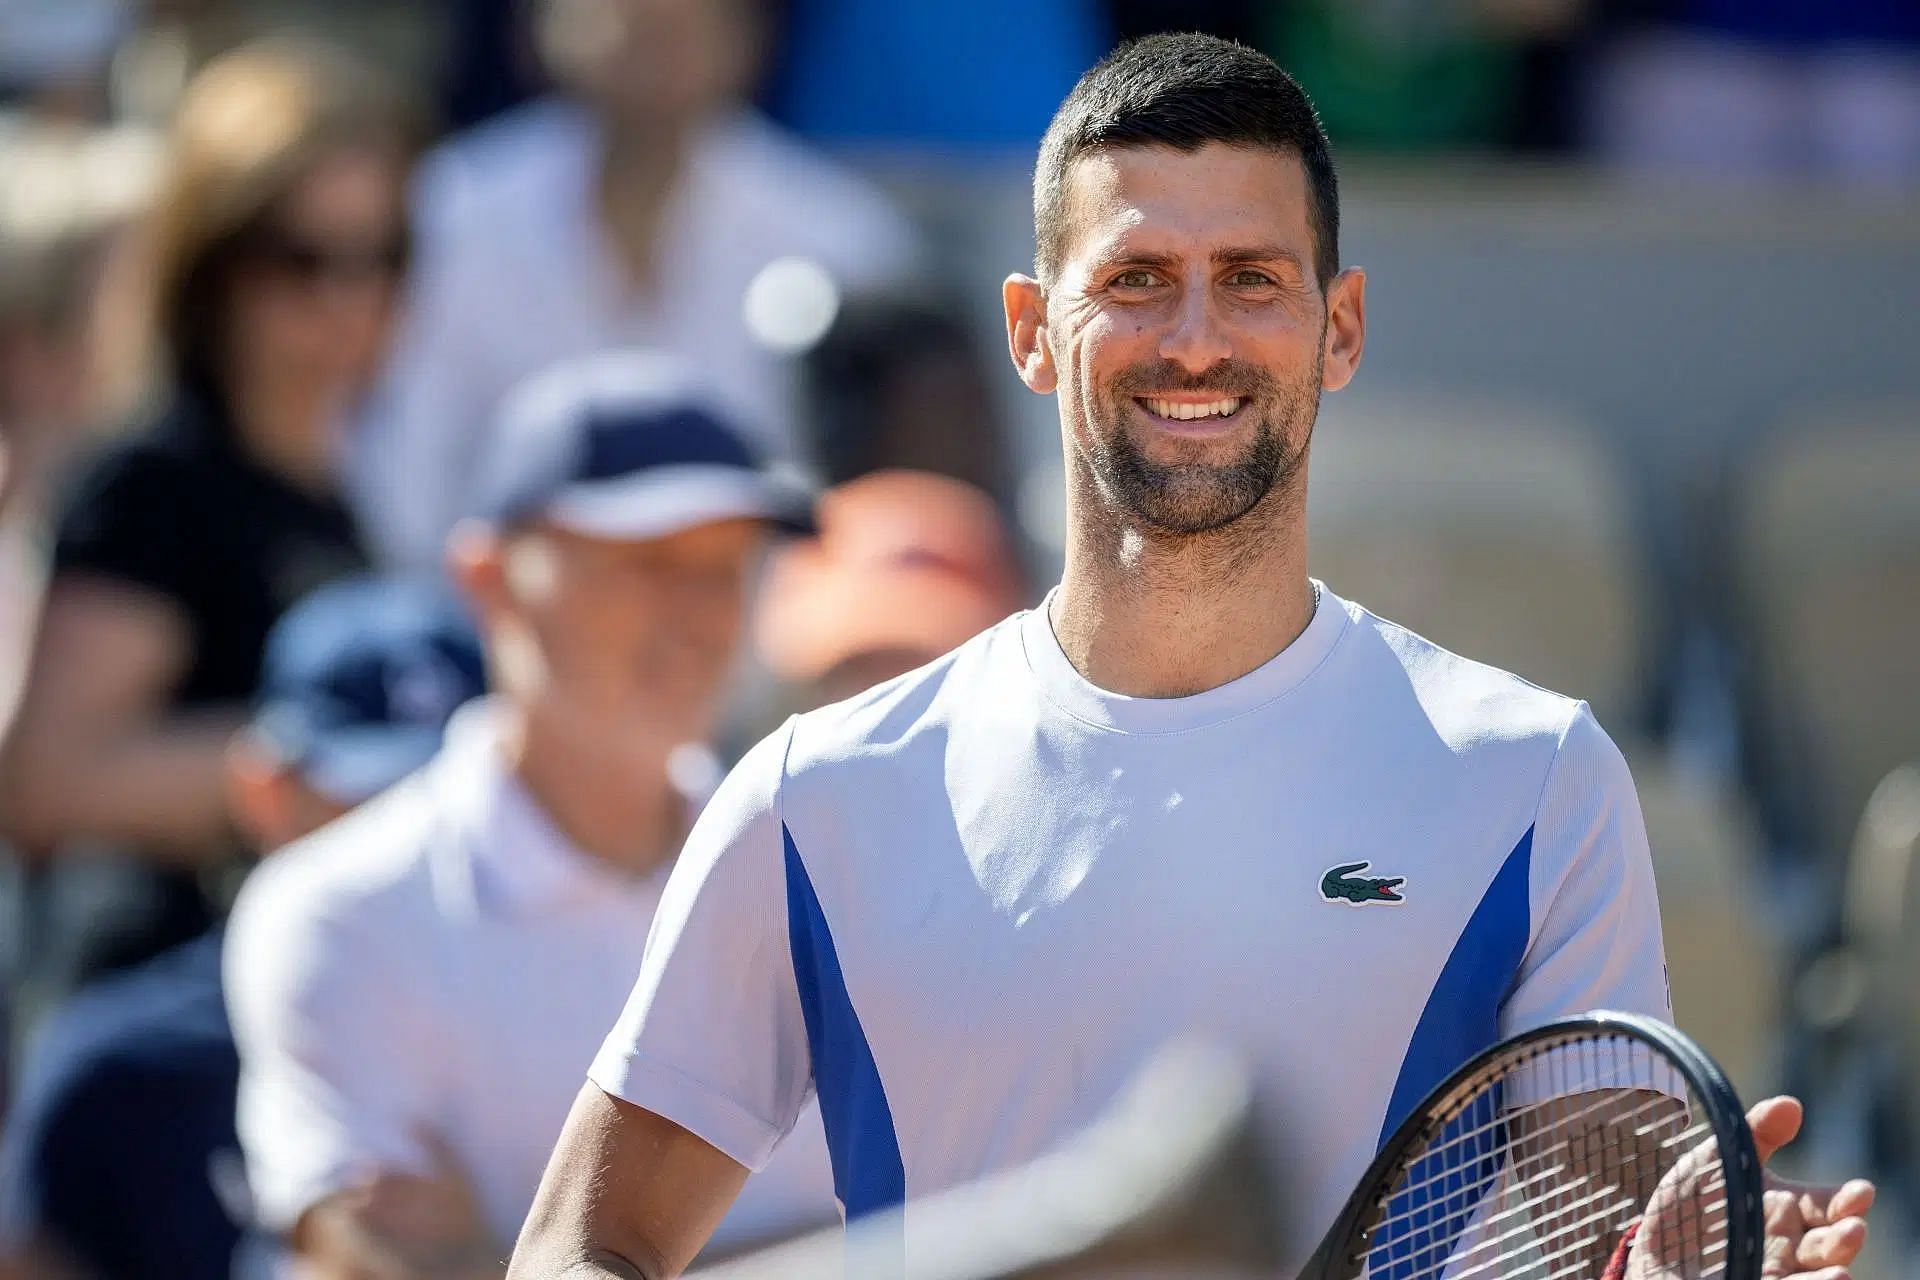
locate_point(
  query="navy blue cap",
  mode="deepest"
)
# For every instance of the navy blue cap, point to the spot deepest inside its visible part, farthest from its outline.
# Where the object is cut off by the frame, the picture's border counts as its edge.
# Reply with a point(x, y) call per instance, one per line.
point(359, 680)
point(623, 446)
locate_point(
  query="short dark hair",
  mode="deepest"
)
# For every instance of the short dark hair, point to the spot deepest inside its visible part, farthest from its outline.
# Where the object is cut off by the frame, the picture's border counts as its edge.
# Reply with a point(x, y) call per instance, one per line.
point(1184, 91)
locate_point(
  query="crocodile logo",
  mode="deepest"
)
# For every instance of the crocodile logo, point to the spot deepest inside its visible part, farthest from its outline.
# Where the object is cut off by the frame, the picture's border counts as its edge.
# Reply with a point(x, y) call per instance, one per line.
point(1342, 885)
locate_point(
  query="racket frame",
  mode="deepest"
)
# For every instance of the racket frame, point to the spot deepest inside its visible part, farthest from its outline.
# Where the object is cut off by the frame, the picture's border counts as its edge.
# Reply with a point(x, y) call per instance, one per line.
point(1342, 1252)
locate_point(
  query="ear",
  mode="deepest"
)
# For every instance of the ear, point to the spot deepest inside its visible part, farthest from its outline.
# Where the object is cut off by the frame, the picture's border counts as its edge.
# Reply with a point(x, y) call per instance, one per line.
point(1026, 306)
point(1346, 334)
point(257, 799)
point(476, 564)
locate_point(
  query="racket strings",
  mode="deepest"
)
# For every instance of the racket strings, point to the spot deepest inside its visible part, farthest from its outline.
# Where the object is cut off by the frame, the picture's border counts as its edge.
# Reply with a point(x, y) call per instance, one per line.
point(1631, 1206)
point(1617, 1207)
point(1523, 1193)
point(1599, 1085)
point(1534, 1158)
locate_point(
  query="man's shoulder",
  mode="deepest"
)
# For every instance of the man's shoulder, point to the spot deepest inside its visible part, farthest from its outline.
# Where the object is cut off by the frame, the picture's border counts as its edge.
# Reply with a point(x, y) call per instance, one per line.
point(917, 707)
point(368, 870)
point(1472, 705)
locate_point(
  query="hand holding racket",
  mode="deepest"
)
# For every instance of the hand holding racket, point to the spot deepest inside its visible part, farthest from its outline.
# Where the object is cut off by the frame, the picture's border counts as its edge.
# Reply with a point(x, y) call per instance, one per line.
point(1812, 1233)
point(1604, 1145)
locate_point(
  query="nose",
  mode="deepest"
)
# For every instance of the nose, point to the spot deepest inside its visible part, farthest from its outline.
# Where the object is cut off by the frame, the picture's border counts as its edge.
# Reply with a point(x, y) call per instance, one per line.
point(1195, 340)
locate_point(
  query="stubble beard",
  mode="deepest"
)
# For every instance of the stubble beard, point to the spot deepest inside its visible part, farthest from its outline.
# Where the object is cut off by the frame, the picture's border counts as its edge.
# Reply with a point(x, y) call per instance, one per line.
point(1182, 500)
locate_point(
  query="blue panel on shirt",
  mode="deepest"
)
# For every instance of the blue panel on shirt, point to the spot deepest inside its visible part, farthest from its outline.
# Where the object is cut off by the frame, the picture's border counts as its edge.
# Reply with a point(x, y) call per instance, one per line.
point(867, 1172)
point(1461, 1019)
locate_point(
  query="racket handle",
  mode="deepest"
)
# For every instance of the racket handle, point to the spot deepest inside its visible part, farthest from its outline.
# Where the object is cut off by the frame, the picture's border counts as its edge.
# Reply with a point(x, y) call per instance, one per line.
point(1617, 1265)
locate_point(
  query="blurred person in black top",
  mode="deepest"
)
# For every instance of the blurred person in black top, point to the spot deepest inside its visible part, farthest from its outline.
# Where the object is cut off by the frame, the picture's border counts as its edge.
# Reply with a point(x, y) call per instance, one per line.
point(275, 249)
point(120, 1157)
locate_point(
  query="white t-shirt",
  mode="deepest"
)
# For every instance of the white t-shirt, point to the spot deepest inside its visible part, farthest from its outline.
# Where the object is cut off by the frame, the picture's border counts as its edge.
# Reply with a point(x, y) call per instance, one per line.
point(515, 272)
point(440, 964)
point(967, 906)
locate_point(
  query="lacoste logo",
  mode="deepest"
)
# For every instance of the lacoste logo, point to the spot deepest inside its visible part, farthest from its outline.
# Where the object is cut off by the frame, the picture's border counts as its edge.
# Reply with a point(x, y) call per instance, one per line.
point(1342, 885)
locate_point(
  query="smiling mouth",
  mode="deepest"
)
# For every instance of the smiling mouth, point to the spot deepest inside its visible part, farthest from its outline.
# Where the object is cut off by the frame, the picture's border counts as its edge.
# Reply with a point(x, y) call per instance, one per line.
point(1190, 411)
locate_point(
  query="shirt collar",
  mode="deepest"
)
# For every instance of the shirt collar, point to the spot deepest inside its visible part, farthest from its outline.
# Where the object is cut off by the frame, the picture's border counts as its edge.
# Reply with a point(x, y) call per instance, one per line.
point(513, 858)
point(1079, 697)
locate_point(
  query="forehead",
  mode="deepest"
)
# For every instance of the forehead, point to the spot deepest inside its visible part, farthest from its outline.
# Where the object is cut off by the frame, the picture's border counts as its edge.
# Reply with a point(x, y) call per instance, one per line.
point(711, 540)
point(349, 186)
point(1164, 200)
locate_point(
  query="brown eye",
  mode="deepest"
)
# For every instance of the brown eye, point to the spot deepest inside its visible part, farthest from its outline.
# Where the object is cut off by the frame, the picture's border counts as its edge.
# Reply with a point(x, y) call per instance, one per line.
point(1250, 279)
point(1138, 278)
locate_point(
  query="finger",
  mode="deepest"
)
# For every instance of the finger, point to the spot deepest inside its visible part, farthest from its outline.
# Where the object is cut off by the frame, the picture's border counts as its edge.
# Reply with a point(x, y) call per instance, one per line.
point(1833, 1246)
point(1775, 1122)
point(1851, 1201)
point(1783, 1232)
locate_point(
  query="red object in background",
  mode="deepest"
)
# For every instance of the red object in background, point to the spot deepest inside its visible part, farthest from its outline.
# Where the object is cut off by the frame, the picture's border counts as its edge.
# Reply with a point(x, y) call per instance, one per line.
point(905, 562)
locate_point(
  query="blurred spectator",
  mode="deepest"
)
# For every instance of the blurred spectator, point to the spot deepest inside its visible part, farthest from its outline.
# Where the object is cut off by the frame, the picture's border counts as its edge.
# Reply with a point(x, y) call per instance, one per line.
point(276, 245)
point(635, 210)
point(64, 197)
point(901, 384)
point(122, 1159)
point(1753, 88)
point(906, 566)
point(417, 991)
point(878, 73)
point(55, 55)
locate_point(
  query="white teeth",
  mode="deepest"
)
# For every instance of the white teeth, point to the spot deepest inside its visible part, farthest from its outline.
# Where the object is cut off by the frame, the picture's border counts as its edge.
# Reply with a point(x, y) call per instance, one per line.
point(1183, 412)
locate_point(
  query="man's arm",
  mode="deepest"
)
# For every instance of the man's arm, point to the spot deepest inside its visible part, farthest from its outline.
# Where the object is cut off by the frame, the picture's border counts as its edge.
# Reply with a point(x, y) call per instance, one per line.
point(626, 1194)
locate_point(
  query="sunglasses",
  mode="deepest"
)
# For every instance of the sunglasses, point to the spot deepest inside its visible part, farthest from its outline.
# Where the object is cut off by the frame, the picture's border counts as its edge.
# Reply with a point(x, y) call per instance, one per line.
point(313, 262)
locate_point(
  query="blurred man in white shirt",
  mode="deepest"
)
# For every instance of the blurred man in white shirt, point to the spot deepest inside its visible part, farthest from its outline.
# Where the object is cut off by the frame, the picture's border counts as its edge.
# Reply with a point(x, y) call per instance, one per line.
point(634, 208)
point(416, 990)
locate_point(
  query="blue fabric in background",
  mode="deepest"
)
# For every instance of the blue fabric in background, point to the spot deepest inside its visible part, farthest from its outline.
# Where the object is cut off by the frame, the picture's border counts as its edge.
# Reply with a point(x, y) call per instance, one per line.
point(121, 1150)
point(985, 75)
point(1810, 23)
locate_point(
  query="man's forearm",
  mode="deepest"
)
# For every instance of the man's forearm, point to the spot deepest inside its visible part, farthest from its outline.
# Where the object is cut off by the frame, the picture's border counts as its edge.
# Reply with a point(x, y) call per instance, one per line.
point(592, 1264)
point(603, 1263)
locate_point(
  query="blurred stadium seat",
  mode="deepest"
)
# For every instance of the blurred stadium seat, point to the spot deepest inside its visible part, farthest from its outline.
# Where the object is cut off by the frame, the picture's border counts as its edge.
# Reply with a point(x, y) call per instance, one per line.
point(1497, 529)
point(1828, 555)
point(1883, 936)
point(1170, 1183)
point(1722, 960)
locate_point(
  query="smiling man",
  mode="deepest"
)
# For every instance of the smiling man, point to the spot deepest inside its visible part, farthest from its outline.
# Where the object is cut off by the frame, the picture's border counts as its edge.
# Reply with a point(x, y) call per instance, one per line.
point(1194, 791)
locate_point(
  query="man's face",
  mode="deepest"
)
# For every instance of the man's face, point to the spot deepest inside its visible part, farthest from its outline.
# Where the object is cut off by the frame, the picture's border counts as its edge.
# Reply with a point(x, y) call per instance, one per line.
point(614, 630)
point(1186, 333)
point(650, 62)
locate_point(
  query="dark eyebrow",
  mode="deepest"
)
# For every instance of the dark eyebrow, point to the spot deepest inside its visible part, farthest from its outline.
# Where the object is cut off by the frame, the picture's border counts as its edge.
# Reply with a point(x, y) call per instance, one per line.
point(1222, 257)
point(1258, 253)
point(1143, 258)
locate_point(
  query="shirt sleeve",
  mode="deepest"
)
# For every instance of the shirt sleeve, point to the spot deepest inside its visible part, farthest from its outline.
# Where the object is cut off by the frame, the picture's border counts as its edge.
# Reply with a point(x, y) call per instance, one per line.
point(713, 1037)
point(1598, 944)
point(334, 1055)
point(125, 518)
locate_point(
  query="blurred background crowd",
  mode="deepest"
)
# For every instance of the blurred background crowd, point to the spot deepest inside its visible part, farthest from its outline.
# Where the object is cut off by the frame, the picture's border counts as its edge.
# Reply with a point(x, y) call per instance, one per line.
point(298, 299)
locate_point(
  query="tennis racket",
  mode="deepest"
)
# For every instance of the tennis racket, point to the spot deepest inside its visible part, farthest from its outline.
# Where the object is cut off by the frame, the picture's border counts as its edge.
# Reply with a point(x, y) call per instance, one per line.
point(1535, 1160)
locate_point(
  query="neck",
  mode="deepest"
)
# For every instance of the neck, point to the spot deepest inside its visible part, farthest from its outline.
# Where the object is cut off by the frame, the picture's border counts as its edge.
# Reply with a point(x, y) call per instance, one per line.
point(289, 430)
point(1149, 615)
point(638, 171)
point(613, 802)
